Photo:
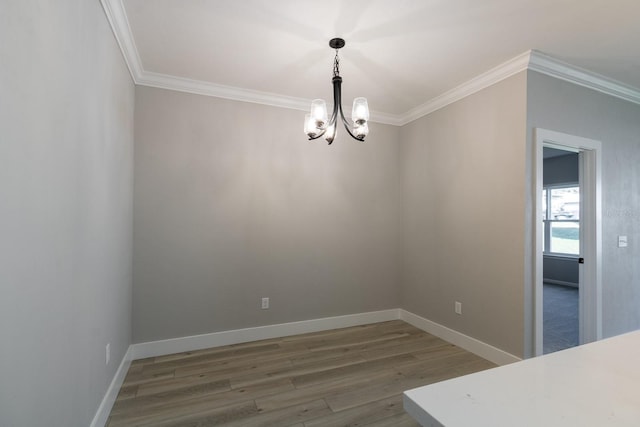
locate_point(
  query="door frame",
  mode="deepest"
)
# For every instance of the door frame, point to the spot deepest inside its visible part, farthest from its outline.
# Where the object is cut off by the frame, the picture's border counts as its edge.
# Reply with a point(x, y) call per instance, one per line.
point(590, 273)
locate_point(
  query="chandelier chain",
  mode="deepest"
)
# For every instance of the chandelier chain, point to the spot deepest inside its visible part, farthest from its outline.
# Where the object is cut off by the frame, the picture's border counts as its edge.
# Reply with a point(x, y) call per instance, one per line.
point(336, 65)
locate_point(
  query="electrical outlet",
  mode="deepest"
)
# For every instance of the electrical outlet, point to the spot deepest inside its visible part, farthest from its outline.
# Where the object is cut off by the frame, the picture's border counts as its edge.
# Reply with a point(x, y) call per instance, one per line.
point(265, 303)
point(107, 354)
point(458, 307)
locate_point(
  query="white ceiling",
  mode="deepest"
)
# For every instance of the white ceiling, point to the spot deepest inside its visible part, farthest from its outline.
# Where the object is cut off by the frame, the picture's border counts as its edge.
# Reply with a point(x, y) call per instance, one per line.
point(400, 54)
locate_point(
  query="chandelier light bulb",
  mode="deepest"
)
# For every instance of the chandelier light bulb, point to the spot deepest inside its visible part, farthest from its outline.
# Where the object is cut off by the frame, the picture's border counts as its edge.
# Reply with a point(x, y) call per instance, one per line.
point(310, 127)
point(361, 131)
point(330, 133)
point(360, 113)
point(319, 112)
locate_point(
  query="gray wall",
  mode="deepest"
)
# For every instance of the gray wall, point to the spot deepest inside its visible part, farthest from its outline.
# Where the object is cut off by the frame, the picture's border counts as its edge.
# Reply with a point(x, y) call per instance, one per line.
point(66, 147)
point(560, 270)
point(232, 204)
point(560, 106)
point(225, 213)
point(463, 214)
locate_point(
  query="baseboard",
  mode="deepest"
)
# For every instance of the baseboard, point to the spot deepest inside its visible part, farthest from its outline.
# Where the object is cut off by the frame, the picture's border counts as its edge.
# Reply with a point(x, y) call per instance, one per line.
point(482, 349)
point(217, 339)
point(102, 414)
point(560, 282)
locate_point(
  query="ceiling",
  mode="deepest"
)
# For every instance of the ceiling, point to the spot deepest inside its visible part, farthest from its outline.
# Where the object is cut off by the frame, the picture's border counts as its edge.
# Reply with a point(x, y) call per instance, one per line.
point(400, 54)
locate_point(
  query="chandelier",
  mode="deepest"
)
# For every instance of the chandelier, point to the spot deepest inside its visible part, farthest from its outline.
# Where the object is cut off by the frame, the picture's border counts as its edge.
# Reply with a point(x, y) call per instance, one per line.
point(317, 123)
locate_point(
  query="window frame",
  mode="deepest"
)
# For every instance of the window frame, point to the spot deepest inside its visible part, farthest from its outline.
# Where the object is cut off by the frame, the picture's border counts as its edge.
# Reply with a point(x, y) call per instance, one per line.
point(547, 221)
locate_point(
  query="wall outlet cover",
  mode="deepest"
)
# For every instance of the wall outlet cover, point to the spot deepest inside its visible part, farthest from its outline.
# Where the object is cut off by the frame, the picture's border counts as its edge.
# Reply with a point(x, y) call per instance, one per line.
point(622, 241)
point(458, 307)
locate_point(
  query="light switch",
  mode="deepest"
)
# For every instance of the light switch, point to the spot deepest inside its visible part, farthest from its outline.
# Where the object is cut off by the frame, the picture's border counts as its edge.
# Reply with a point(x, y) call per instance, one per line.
point(622, 241)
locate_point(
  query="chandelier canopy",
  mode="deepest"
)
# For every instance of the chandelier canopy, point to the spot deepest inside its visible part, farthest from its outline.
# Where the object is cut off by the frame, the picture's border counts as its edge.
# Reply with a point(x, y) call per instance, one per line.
point(317, 123)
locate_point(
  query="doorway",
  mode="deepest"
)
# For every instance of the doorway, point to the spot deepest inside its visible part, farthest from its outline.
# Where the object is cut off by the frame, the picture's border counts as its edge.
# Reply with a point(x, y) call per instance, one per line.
point(561, 249)
point(588, 256)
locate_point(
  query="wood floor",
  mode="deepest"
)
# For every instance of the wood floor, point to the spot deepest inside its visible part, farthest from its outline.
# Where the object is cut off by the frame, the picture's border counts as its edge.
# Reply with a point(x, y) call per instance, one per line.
point(345, 377)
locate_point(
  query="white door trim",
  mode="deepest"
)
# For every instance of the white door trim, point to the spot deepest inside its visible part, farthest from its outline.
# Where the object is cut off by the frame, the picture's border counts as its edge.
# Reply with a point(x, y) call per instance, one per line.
point(591, 242)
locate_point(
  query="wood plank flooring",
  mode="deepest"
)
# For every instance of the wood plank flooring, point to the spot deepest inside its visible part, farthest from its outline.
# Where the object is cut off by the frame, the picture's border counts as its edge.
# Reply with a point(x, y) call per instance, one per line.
point(345, 377)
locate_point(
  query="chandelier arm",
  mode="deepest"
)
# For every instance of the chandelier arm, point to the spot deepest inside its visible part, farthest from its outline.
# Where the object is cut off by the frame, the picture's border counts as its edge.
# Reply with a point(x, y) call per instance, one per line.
point(311, 138)
point(337, 98)
point(347, 127)
point(337, 108)
point(331, 122)
point(337, 101)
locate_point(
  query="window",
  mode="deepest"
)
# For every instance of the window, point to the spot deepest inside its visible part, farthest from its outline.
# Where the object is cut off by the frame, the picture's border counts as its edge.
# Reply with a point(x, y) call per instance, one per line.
point(561, 220)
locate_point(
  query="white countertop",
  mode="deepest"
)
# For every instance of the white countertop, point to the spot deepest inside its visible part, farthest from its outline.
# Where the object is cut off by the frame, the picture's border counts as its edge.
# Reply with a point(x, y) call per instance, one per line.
point(596, 384)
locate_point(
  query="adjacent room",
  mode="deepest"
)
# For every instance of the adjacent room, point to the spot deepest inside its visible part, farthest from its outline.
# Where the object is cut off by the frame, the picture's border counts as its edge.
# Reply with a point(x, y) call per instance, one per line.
point(257, 212)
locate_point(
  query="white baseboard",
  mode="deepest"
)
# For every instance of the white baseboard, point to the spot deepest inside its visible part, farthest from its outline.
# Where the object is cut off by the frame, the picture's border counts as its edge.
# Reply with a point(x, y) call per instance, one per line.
point(236, 336)
point(561, 282)
point(102, 414)
point(217, 339)
point(482, 349)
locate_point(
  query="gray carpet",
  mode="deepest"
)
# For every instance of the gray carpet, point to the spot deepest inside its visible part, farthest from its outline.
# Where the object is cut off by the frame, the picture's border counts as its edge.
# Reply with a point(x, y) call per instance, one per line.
point(560, 317)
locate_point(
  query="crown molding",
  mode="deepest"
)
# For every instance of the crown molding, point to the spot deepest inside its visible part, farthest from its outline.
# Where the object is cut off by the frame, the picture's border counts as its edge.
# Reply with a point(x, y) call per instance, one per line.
point(164, 81)
point(530, 60)
point(484, 80)
point(198, 87)
point(117, 17)
point(561, 70)
point(386, 118)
